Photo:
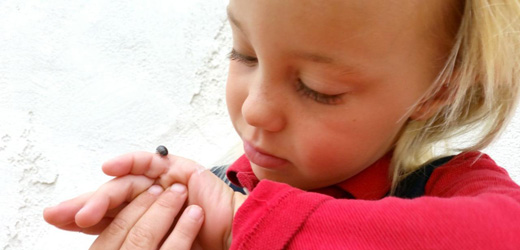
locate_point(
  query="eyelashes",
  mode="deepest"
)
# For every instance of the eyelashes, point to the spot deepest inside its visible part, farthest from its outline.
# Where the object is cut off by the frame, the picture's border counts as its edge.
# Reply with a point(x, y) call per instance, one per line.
point(317, 96)
point(301, 87)
point(247, 60)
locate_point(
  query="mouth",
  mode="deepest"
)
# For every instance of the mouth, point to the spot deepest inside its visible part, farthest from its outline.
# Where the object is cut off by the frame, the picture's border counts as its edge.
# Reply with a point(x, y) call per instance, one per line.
point(261, 158)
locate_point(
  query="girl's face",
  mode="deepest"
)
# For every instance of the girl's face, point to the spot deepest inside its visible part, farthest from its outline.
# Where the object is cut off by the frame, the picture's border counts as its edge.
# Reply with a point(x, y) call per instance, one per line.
point(320, 90)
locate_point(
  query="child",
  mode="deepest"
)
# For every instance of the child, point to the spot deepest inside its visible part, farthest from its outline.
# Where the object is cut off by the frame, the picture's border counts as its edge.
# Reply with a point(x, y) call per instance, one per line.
point(337, 103)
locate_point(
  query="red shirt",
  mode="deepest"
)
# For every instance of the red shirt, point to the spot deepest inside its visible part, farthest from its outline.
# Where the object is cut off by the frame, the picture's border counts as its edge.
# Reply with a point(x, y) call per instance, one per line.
point(469, 203)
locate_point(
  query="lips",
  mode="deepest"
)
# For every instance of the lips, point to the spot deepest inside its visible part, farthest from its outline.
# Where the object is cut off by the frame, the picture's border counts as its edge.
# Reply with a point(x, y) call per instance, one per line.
point(262, 159)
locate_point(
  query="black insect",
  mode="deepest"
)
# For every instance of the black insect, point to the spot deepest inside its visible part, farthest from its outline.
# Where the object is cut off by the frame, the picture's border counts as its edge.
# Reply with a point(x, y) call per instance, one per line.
point(162, 150)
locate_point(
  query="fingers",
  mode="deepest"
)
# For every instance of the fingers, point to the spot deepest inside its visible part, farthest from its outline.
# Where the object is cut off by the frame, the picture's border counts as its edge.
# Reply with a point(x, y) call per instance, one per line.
point(63, 213)
point(180, 170)
point(85, 212)
point(114, 235)
point(91, 212)
point(109, 196)
point(153, 225)
point(171, 169)
point(186, 229)
point(138, 163)
point(94, 230)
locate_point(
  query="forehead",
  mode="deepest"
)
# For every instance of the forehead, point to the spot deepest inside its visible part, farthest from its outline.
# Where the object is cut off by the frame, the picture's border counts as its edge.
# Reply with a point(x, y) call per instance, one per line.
point(350, 11)
point(335, 24)
point(375, 31)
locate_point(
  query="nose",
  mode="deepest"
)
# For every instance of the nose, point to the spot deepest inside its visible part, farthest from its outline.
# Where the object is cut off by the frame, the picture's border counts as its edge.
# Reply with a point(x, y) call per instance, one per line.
point(264, 109)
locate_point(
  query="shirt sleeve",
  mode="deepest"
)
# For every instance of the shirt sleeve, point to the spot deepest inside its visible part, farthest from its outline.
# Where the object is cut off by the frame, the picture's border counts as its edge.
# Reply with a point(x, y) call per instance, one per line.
point(467, 206)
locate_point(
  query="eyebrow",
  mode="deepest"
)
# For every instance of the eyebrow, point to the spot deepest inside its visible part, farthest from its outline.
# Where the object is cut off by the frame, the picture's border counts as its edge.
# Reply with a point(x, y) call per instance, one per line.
point(233, 20)
point(344, 69)
point(313, 57)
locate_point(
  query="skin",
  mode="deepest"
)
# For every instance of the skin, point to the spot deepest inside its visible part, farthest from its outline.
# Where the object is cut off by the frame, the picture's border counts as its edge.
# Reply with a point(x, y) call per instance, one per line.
point(328, 87)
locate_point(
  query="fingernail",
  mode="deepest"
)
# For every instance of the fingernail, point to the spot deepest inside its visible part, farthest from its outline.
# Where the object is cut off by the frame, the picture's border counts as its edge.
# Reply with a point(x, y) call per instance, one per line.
point(179, 188)
point(195, 212)
point(155, 189)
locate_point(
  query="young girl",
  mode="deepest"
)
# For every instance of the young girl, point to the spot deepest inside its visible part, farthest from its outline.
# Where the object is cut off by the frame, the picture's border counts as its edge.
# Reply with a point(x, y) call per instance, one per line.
point(340, 105)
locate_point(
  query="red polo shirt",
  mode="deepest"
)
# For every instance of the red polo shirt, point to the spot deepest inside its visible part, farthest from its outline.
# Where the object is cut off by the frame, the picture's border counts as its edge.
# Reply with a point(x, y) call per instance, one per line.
point(469, 203)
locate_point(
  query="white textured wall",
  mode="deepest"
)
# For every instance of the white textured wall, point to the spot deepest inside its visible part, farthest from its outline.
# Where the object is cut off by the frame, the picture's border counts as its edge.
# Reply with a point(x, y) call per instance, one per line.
point(84, 81)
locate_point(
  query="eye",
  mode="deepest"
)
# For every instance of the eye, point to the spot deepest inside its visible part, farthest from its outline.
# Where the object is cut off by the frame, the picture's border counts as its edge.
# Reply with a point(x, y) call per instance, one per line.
point(317, 96)
point(241, 58)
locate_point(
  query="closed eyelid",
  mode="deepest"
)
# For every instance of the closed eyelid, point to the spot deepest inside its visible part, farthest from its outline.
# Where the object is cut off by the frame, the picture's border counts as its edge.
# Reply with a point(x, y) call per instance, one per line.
point(237, 55)
point(317, 96)
point(248, 61)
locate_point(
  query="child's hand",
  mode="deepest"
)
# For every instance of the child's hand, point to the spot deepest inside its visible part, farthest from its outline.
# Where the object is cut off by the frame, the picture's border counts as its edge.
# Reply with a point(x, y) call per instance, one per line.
point(93, 212)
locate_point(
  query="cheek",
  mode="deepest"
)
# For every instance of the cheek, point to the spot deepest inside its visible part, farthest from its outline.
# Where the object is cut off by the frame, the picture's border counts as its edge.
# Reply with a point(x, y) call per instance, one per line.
point(326, 160)
point(326, 148)
point(344, 147)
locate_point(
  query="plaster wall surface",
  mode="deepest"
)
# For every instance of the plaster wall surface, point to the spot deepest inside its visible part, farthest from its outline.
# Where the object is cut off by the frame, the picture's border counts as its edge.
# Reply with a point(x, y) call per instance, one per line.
point(84, 81)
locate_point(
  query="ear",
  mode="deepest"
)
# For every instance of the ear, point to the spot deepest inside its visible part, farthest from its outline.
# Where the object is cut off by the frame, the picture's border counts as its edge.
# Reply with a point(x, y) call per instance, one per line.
point(428, 108)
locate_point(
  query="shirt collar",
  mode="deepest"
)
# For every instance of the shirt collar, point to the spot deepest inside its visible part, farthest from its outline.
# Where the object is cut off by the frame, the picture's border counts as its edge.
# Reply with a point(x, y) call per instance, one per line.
point(370, 184)
point(241, 174)
point(373, 183)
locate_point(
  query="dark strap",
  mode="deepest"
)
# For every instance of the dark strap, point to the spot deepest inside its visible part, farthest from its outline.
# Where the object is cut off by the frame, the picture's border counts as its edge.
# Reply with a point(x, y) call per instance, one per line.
point(220, 172)
point(413, 185)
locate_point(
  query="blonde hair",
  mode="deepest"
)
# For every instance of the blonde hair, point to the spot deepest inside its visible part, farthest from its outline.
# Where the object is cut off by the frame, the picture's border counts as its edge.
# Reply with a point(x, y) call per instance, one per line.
point(481, 82)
